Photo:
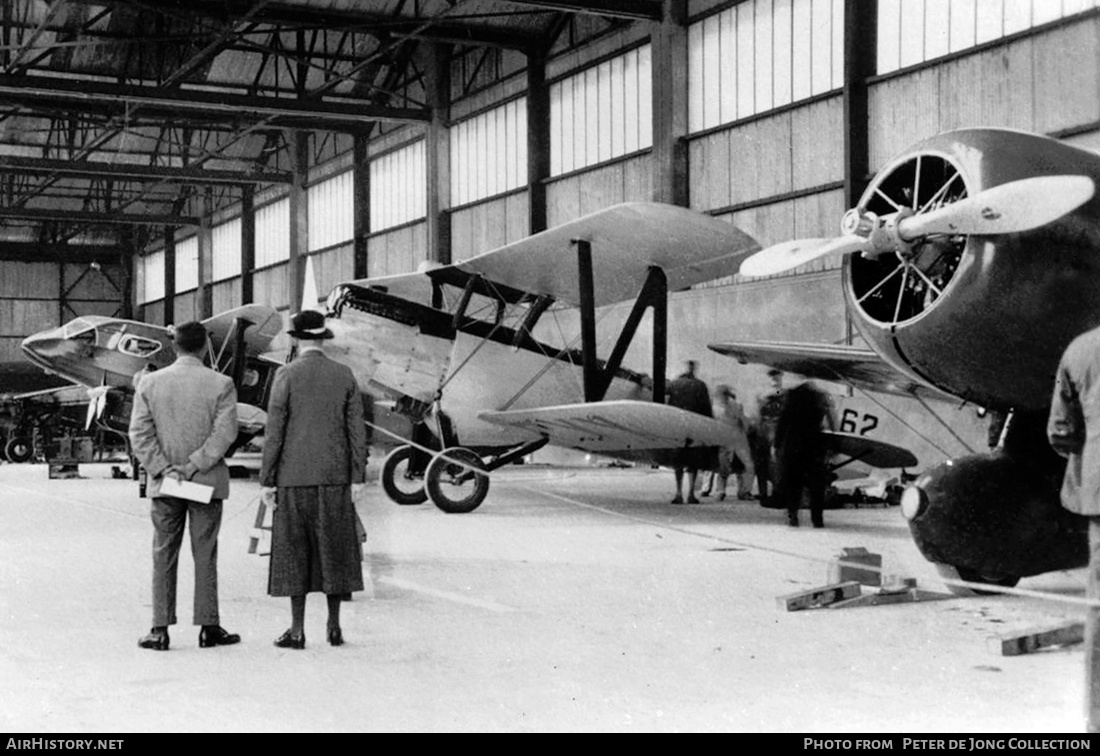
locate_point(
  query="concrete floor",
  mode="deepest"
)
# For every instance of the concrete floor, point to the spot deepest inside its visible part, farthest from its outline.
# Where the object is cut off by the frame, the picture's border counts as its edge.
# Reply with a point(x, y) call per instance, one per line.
point(572, 600)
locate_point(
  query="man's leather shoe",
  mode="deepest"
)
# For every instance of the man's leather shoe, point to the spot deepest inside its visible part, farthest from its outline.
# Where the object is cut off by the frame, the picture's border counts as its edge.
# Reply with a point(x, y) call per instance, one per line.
point(286, 640)
point(157, 639)
point(215, 635)
point(335, 636)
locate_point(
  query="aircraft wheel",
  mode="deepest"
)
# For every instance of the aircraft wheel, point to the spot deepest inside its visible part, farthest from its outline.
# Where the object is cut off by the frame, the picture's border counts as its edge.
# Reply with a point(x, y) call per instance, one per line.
point(18, 449)
point(456, 480)
point(952, 572)
point(403, 485)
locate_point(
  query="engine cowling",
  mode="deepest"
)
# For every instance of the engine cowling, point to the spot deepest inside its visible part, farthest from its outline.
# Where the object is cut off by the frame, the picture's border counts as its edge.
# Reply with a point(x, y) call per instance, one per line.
point(985, 318)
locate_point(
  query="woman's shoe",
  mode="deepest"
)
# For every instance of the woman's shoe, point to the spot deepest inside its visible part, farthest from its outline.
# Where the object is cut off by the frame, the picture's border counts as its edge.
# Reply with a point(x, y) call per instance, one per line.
point(335, 636)
point(288, 640)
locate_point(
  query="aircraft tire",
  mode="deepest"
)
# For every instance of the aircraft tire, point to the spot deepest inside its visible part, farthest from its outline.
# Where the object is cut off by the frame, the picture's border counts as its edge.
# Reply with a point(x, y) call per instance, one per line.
point(445, 486)
point(974, 576)
point(18, 449)
point(395, 467)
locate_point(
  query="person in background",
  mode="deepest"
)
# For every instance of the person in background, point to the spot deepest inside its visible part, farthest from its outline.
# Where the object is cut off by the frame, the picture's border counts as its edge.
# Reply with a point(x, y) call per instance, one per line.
point(313, 469)
point(688, 392)
point(183, 422)
point(1073, 430)
point(801, 455)
point(730, 411)
point(761, 434)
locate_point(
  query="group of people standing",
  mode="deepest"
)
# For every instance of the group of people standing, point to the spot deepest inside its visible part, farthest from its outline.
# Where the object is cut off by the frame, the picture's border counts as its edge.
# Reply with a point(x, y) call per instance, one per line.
point(783, 448)
point(184, 422)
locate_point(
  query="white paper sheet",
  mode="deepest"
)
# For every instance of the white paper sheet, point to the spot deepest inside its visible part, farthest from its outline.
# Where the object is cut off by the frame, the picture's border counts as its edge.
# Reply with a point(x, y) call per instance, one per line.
point(185, 489)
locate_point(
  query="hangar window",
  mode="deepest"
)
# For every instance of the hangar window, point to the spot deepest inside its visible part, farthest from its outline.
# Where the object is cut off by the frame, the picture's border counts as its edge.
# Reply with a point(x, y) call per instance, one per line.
point(187, 264)
point(489, 153)
point(331, 208)
point(913, 31)
point(602, 112)
point(152, 266)
point(273, 233)
point(398, 187)
point(226, 243)
point(760, 55)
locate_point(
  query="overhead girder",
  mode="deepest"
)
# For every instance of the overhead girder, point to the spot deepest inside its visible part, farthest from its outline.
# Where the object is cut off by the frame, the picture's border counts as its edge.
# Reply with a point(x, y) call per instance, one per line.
point(457, 28)
point(96, 218)
point(636, 10)
point(352, 116)
point(126, 172)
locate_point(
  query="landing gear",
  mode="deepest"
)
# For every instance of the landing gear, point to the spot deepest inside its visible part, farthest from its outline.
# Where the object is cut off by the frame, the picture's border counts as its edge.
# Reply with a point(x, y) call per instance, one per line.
point(403, 475)
point(18, 449)
point(456, 480)
point(952, 572)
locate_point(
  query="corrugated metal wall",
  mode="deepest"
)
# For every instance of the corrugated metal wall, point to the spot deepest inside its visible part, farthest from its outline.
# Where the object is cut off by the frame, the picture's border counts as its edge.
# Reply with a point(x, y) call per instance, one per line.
point(37, 296)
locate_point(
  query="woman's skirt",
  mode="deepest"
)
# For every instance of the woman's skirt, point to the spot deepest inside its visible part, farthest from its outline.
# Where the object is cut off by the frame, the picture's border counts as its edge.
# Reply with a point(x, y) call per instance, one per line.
point(314, 545)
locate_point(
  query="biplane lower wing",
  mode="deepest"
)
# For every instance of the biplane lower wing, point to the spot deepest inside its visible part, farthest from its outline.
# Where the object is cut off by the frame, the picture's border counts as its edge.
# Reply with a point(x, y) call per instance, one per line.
point(856, 366)
point(869, 451)
point(604, 427)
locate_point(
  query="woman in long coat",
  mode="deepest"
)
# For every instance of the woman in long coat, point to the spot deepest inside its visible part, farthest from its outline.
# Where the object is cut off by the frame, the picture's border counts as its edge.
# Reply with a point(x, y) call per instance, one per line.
point(315, 453)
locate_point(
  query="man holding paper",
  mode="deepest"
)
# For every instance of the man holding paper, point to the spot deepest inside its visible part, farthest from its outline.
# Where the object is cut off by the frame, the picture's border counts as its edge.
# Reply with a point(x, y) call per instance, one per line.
point(183, 423)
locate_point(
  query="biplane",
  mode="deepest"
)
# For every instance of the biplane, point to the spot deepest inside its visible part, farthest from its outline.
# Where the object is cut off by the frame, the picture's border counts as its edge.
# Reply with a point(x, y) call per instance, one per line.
point(104, 354)
point(969, 263)
point(455, 348)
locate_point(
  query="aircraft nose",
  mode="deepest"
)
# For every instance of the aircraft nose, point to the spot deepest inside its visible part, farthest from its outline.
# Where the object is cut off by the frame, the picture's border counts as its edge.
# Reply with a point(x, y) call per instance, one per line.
point(44, 344)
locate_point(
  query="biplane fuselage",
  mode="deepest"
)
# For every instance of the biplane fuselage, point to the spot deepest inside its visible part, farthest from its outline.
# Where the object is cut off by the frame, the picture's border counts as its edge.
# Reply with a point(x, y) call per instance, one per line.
point(429, 361)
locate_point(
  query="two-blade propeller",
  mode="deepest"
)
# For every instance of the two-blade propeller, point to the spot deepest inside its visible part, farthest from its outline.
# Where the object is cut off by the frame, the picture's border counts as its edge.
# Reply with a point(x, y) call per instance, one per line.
point(97, 402)
point(1005, 209)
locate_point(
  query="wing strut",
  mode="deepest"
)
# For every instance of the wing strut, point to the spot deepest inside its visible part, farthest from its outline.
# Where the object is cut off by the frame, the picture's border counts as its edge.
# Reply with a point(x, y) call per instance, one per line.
point(586, 286)
point(654, 293)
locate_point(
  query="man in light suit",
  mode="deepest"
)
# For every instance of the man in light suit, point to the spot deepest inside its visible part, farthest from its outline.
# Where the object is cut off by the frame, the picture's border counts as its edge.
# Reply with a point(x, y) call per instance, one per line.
point(314, 465)
point(183, 423)
point(1073, 429)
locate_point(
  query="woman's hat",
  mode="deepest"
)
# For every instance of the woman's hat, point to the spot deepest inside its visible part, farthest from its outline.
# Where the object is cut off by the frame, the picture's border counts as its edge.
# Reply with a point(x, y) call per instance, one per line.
point(309, 325)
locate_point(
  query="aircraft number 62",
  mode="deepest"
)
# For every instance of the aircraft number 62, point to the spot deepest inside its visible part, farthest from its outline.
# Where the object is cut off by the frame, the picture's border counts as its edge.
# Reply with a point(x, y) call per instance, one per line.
point(852, 421)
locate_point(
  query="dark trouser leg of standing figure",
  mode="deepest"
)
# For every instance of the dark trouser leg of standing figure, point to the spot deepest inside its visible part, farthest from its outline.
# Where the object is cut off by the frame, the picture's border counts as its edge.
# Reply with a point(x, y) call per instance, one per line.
point(205, 523)
point(678, 472)
point(816, 486)
point(1092, 630)
point(169, 517)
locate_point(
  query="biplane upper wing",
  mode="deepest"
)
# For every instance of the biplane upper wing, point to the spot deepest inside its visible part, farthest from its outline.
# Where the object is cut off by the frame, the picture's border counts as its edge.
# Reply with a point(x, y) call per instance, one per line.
point(857, 366)
point(616, 426)
point(627, 240)
point(265, 324)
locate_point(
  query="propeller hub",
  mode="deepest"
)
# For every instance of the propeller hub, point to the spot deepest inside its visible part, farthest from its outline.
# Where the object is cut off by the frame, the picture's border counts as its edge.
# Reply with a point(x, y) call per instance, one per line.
point(858, 223)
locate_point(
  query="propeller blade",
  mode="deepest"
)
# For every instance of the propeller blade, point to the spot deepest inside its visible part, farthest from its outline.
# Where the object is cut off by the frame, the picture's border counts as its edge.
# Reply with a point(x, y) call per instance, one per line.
point(779, 258)
point(97, 402)
point(1009, 208)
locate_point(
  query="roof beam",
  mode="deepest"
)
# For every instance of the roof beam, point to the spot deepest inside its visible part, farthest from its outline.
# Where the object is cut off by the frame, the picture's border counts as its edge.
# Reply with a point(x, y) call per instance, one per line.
point(126, 172)
point(292, 15)
point(634, 10)
point(90, 218)
point(349, 115)
point(70, 253)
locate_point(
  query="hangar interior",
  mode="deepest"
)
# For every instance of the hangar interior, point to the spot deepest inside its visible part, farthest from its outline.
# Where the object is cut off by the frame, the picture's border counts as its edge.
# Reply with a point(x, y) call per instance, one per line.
point(168, 162)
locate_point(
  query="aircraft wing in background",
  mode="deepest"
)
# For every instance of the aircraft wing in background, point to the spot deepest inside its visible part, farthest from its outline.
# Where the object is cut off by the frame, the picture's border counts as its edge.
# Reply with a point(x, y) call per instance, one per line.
point(856, 366)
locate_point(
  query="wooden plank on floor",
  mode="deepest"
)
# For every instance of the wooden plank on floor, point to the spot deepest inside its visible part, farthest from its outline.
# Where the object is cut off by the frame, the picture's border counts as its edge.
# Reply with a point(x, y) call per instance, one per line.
point(1029, 641)
point(817, 597)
